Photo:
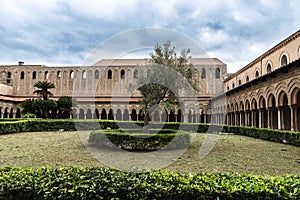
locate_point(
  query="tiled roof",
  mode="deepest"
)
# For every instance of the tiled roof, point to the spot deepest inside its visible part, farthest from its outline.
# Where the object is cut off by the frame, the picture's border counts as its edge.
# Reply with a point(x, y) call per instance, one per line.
point(142, 61)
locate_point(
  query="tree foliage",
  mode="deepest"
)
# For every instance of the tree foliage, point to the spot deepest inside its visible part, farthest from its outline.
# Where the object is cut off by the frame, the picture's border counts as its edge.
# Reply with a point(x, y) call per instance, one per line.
point(164, 79)
point(64, 106)
point(45, 107)
point(43, 87)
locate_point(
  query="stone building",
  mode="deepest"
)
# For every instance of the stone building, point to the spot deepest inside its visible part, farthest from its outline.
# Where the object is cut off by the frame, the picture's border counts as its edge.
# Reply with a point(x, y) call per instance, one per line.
point(101, 89)
point(265, 93)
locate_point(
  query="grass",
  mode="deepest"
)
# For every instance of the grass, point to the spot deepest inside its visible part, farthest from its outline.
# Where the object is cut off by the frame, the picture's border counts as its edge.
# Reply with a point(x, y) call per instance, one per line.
point(232, 153)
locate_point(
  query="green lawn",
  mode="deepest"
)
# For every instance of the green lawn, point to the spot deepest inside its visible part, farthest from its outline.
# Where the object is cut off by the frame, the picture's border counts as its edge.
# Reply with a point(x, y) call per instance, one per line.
point(232, 153)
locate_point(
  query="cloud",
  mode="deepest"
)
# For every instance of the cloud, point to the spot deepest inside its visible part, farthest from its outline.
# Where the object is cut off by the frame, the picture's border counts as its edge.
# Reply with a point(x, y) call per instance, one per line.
point(64, 32)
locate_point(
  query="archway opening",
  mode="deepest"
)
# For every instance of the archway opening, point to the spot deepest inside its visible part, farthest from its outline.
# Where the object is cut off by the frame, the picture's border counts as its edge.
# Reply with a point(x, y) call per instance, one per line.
point(273, 112)
point(111, 114)
point(96, 114)
point(172, 117)
point(179, 116)
point(285, 112)
point(255, 113)
point(119, 115)
point(89, 114)
point(126, 115)
point(81, 114)
point(264, 114)
point(133, 115)
point(103, 114)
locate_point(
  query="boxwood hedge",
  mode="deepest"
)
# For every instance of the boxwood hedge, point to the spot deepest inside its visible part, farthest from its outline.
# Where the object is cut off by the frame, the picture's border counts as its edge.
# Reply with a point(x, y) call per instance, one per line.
point(31, 125)
point(104, 183)
point(136, 140)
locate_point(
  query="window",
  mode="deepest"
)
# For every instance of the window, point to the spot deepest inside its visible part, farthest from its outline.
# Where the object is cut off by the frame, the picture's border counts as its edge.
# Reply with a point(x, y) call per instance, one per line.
point(269, 68)
point(122, 74)
point(22, 75)
point(217, 73)
point(34, 75)
point(247, 79)
point(233, 85)
point(8, 77)
point(203, 73)
point(283, 60)
point(83, 74)
point(46, 75)
point(240, 82)
point(58, 74)
point(135, 73)
point(71, 74)
point(256, 74)
point(96, 74)
point(8, 74)
point(109, 74)
point(227, 88)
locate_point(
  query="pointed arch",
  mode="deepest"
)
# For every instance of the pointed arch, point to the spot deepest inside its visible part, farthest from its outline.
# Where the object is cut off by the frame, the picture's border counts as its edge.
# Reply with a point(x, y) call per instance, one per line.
point(284, 59)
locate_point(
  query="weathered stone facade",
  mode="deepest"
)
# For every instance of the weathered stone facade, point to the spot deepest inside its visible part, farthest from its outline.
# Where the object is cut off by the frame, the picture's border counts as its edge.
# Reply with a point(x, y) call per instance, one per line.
point(270, 96)
point(264, 93)
point(101, 89)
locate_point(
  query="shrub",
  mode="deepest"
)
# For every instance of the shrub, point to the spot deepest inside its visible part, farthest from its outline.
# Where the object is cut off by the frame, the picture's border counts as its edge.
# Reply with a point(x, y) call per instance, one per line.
point(138, 141)
point(103, 183)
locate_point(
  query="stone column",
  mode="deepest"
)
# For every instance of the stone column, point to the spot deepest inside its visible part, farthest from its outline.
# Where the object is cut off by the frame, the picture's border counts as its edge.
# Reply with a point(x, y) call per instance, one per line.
point(269, 117)
point(252, 113)
point(292, 108)
point(279, 118)
point(259, 119)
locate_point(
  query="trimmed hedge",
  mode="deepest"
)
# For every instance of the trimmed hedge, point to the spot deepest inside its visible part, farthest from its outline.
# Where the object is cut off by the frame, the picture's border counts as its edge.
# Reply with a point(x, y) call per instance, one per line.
point(287, 137)
point(32, 125)
point(103, 183)
point(139, 141)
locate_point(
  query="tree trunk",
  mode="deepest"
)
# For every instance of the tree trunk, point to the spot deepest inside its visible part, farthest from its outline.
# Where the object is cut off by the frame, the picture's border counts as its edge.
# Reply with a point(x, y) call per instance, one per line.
point(146, 122)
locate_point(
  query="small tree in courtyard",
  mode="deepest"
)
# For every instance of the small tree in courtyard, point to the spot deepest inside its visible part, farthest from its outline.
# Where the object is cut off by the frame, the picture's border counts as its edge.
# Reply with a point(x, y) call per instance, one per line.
point(162, 81)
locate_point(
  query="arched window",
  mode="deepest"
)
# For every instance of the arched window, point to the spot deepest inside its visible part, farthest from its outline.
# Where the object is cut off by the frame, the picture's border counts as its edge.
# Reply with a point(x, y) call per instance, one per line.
point(71, 74)
point(227, 88)
point(22, 75)
point(58, 74)
point(46, 75)
point(247, 78)
point(256, 74)
point(8, 74)
point(83, 74)
point(283, 60)
point(109, 74)
point(203, 73)
point(96, 74)
point(34, 75)
point(233, 85)
point(217, 73)
point(269, 68)
point(8, 77)
point(122, 74)
point(135, 73)
point(240, 82)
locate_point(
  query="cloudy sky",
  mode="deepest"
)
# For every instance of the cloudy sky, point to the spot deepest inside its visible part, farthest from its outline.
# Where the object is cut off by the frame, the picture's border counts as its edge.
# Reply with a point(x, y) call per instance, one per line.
point(64, 32)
